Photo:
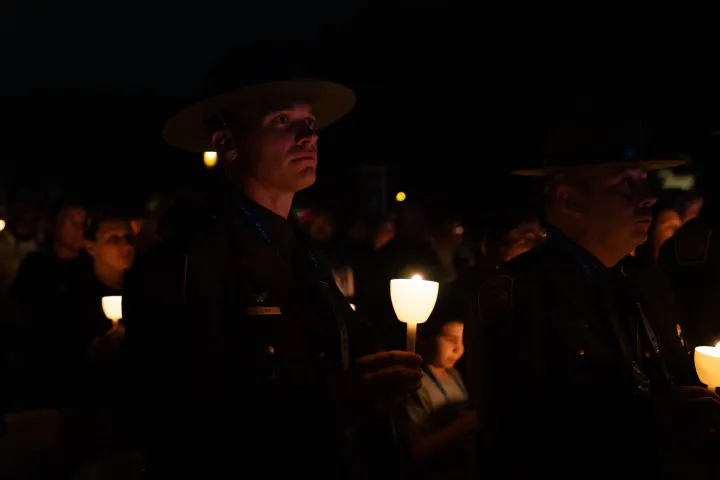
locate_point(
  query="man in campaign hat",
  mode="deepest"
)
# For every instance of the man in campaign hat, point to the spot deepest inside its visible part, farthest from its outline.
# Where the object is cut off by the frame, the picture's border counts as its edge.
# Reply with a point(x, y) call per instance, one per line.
point(253, 361)
point(575, 366)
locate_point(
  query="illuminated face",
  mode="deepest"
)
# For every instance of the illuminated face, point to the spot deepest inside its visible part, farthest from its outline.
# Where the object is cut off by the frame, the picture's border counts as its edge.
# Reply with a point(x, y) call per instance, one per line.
point(277, 146)
point(449, 345)
point(615, 207)
point(114, 245)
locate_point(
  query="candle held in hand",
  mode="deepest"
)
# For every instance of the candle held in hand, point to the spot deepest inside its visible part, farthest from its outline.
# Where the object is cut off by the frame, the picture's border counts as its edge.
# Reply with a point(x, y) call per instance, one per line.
point(413, 301)
point(112, 307)
point(707, 365)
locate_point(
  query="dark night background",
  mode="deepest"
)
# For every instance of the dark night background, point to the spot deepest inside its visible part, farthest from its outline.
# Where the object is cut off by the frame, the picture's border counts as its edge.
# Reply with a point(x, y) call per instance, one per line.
point(450, 96)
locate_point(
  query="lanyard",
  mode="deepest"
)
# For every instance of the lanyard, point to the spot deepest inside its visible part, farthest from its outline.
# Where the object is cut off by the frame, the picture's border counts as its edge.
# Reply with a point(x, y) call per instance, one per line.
point(437, 383)
point(651, 335)
point(325, 287)
point(641, 379)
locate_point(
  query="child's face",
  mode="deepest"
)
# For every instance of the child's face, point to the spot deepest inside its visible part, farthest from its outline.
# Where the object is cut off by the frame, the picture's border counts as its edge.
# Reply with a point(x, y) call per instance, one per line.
point(450, 346)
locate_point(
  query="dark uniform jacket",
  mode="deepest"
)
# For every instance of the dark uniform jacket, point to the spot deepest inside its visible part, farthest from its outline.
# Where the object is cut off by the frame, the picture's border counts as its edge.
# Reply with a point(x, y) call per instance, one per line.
point(691, 261)
point(241, 344)
point(551, 355)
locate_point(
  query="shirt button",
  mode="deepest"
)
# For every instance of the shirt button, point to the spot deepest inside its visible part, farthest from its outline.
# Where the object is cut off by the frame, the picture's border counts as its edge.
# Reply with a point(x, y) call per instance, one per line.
point(270, 350)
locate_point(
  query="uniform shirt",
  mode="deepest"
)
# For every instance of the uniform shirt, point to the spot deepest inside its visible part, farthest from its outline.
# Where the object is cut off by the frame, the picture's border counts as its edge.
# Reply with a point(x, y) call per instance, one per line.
point(247, 384)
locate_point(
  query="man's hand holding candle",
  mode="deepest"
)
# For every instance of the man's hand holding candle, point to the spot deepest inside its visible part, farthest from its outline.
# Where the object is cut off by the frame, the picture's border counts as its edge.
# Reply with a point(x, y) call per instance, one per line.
point(383, 380)
point(691, 412)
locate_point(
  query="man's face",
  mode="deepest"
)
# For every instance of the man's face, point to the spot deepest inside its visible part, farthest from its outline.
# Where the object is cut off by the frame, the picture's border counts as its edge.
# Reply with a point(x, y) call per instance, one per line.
point(615, 207)
point(69, 225)
point(114, 245)
point(278, 146)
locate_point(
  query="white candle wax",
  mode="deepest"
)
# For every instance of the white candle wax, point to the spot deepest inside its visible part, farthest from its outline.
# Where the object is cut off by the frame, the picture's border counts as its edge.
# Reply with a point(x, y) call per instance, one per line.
point(413, 301)
point(112, 307)
point(707, 365)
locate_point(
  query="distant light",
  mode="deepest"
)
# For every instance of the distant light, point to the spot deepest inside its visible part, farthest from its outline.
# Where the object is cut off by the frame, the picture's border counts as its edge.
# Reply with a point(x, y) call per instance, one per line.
point(400, 197)
point(210, 159)
point(2, 225)
point(458, 230)
point(675, 181)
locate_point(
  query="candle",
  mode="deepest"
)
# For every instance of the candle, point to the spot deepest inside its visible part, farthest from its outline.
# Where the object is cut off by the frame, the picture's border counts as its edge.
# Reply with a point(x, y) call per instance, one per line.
point(707, 365)
point(112, 307)
point(413, 301)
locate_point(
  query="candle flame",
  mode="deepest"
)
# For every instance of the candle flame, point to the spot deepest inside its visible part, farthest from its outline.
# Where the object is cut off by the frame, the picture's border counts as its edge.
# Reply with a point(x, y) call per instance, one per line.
point(419, 277)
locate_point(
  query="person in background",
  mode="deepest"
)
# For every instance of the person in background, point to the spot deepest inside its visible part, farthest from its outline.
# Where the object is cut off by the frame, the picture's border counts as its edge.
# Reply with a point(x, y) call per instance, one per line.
point(666, 223)
point(690, 205)
point(365, 239)
point(690, 260)
point(40, 292)
point(92, 343)
point(20, 237)
point(510, 234)
point(110, 242)
point(321, 226)
point(439, 425)
point(46, 274)
point(447, 242)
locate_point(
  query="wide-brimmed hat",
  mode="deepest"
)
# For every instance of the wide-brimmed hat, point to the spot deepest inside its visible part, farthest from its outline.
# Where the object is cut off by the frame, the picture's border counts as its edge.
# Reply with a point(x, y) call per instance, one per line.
point(236, 81)
point(578, 147)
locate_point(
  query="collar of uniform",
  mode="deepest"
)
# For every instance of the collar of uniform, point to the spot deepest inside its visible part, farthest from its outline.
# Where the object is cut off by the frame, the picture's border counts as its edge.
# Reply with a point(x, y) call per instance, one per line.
point(585, 259)
point(280, 230)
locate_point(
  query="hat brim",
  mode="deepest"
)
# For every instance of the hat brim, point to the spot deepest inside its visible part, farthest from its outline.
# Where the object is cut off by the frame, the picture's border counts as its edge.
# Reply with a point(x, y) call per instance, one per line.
point(648, 164)
point(330, 102)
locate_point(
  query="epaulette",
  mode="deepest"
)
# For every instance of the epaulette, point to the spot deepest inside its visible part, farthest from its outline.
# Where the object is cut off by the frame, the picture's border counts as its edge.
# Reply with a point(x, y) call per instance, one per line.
point(692, 248)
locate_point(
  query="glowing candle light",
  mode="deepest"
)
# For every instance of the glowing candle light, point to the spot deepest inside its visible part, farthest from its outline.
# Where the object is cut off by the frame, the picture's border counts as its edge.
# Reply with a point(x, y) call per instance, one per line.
point(707, 365)
point(112, 307)
point(413, 301)
point(210, 159)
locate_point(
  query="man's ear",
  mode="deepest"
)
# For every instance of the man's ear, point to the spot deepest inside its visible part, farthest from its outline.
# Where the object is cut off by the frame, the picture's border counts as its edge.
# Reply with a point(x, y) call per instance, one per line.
point(224, 145)
point(569, 199)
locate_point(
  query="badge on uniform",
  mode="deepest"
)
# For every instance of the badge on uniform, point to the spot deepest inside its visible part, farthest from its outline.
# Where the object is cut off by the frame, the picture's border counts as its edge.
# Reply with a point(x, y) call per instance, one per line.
point(261, 309)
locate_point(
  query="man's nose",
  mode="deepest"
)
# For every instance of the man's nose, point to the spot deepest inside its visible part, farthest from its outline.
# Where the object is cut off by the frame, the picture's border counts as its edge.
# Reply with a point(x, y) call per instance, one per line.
point(307, 136)
point(648, 201)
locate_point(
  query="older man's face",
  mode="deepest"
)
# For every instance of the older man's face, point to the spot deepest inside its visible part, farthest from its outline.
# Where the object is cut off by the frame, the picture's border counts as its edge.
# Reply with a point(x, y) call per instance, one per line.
point(616, 206)
point(278, 146)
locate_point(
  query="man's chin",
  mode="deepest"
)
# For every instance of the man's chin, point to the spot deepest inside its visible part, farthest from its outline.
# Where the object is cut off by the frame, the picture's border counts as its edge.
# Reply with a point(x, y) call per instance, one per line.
point(306, 178)
point(639, 236)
